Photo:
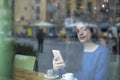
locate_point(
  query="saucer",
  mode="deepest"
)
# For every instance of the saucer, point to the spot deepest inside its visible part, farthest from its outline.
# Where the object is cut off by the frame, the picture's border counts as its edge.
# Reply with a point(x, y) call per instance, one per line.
point(51, 77)
point(72, 79)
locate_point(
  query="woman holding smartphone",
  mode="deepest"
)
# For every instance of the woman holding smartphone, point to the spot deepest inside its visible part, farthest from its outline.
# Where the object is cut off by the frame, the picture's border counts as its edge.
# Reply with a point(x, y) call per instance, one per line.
point(95, 61)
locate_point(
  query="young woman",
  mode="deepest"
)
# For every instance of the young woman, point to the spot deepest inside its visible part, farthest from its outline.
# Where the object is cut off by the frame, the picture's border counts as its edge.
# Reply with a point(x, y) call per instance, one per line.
point(95, 58)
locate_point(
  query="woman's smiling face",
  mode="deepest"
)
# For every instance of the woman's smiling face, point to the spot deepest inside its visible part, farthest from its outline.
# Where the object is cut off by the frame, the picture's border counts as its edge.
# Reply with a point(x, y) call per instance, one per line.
point(83, 33)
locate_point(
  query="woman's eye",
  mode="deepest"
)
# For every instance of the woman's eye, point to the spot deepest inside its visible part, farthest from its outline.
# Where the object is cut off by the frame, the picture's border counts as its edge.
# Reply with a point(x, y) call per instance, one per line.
point(84, 29)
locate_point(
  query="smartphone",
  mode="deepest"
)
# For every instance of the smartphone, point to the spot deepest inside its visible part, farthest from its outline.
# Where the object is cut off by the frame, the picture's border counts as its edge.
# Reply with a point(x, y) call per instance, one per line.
point(57, 53)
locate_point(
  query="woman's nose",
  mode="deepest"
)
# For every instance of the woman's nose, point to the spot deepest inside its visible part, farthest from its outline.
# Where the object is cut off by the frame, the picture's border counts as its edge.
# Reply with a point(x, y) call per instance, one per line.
point(80, 33)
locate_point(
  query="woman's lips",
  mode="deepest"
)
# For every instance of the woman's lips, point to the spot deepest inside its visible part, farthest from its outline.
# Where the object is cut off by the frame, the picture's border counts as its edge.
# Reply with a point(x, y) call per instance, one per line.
point(81, 38)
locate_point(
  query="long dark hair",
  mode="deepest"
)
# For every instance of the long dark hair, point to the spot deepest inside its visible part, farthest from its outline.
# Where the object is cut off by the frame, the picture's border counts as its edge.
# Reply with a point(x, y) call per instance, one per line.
point(94, 36)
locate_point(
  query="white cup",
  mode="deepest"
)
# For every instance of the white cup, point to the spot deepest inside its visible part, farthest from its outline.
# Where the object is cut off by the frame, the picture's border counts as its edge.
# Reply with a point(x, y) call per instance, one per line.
point(67, 76)
point(50, 72)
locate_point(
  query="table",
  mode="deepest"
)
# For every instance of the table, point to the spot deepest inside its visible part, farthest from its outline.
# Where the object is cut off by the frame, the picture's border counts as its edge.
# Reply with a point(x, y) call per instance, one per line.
point(20, 74)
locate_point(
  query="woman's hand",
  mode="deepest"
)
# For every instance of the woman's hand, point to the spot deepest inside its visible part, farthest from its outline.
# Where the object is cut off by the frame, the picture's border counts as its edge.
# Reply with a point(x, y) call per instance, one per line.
point(58, 63)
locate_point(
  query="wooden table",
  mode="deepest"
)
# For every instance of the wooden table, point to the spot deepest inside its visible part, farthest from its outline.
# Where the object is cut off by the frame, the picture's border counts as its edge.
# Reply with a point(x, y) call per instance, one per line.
point(20, 74)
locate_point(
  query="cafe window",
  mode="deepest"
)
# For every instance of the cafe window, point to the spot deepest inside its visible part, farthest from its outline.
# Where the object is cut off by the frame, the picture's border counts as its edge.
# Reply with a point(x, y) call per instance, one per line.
point(89, 6)
point(22, 18)
point(37, 1)
point(78, 4)
point(37, 17)
point(68, 8)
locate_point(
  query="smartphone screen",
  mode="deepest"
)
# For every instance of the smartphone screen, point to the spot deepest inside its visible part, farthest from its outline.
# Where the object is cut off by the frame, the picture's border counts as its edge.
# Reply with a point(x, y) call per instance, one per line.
point(57, 53)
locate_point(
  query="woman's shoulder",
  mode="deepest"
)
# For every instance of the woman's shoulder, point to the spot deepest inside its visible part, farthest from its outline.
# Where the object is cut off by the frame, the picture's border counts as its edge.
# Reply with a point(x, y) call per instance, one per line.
point(103, 49)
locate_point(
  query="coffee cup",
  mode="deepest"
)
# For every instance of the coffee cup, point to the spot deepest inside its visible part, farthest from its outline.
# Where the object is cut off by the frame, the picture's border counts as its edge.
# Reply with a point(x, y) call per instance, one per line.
point(50, 73)
point(67, 76)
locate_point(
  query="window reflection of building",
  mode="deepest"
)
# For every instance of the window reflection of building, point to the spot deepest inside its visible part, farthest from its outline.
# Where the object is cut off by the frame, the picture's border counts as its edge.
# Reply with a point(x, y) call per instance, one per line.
point(51, 10)
point(55, 11)
point(68, 8)
point(36, 10)
point(37, 1)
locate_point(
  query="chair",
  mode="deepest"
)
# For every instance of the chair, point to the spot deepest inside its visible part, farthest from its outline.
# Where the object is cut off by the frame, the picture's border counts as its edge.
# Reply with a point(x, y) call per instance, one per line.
point(24, 62)
point(113, 70)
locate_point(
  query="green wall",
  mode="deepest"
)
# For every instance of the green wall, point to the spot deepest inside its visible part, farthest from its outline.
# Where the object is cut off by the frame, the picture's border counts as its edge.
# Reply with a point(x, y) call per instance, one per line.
point(6, 53)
